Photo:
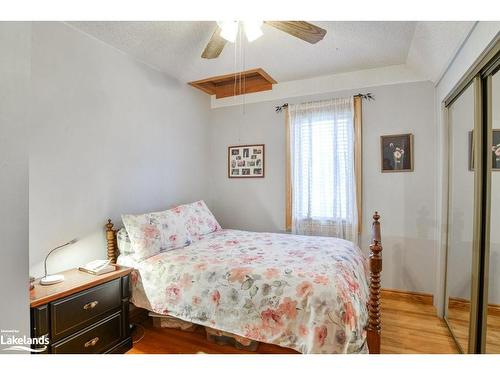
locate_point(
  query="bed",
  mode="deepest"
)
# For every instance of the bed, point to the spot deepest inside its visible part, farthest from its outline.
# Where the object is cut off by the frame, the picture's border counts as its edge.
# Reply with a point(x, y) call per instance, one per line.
point(311, 294)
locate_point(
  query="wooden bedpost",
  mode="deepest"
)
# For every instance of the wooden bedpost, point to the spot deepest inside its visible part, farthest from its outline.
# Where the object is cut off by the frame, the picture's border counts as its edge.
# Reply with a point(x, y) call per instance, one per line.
point(374, 326)
point(111, 241)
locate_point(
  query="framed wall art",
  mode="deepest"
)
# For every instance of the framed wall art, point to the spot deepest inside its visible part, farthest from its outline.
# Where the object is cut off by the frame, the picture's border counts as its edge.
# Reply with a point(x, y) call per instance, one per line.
point(246, 161)
point(397, 153)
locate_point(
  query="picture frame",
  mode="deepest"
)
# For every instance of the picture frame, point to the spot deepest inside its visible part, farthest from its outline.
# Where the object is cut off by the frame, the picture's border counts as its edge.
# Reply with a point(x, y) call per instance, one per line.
point(246, 161)
point(396, 153)
point(495, 151)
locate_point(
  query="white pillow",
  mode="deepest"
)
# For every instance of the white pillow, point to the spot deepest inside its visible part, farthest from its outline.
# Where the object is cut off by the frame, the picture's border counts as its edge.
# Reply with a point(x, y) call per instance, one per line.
point(123, 242)
point(155, 232)
point(198, 218)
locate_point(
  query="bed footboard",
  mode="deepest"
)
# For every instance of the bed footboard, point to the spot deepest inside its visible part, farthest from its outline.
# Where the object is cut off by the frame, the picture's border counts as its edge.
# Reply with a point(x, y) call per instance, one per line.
point(373, 330)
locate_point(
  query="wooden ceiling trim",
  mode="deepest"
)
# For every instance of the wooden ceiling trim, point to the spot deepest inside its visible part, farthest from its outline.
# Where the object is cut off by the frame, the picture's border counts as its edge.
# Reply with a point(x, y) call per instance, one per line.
point(248, 81)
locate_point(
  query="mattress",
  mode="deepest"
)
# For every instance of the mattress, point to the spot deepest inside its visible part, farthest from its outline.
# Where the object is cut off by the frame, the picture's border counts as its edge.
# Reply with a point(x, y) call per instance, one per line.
point(305, 293)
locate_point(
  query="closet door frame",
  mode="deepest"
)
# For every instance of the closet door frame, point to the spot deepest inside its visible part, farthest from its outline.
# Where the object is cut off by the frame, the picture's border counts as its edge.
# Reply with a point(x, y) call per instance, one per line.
point(477, 216)
point(479, 75)
point(487, 80)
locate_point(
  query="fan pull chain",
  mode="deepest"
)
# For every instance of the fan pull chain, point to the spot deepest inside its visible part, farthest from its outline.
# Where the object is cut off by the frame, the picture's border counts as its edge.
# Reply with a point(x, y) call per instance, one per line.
point(235, 71)
point(244, 77)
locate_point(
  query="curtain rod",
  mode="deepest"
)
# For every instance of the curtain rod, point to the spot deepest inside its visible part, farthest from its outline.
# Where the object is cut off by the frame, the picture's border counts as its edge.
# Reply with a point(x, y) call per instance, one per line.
point(368, 96)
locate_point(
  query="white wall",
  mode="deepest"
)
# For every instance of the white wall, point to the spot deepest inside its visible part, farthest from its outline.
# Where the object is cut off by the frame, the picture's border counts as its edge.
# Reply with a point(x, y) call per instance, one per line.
point(406, 201)
point(360, 79)
point(482, 34)
point(110, 136)
point(14, 106)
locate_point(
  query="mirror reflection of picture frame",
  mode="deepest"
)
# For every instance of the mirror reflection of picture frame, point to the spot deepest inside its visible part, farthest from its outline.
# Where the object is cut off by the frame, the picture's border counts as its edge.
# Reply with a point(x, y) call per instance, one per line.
point(245, 161)
point(495, 151)
point(470, 140)
point(396, 153)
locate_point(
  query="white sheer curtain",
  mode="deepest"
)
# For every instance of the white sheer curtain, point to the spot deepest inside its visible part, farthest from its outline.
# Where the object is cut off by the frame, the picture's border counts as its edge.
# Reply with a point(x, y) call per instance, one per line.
point(322, 169)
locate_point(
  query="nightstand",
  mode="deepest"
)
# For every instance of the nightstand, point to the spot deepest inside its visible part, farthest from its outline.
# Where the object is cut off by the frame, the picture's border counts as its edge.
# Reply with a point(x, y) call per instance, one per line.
point(85, 313)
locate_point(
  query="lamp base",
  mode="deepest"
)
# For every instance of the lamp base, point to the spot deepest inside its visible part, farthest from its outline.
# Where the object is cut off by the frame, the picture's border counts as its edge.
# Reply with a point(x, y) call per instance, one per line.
point(51, 279)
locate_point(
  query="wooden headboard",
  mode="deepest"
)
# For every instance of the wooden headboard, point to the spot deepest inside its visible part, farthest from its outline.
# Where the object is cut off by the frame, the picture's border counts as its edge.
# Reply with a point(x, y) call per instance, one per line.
point(113, 251)
point(373, 328)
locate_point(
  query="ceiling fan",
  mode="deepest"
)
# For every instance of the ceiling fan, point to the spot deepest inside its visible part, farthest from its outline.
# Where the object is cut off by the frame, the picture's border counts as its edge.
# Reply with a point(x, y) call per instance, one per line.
point(227, 31)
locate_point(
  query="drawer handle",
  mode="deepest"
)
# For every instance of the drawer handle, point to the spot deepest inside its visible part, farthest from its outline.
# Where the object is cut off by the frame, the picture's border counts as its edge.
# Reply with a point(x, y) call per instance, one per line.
point(91, 342)
point(90, 305)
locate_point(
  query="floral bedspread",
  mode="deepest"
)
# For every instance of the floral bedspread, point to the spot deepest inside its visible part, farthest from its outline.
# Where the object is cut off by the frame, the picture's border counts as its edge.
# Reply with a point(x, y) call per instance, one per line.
point(305, 293)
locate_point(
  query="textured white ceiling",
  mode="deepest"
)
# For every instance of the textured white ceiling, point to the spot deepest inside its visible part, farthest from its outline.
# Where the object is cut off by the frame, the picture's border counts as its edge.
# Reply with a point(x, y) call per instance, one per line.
point(435, 44)
point(175, 48)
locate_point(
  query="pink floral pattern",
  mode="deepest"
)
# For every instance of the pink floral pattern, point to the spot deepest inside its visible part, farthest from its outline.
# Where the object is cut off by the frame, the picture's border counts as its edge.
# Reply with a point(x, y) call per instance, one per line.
point(198, 219)
point(264, 287)
point(154, 232)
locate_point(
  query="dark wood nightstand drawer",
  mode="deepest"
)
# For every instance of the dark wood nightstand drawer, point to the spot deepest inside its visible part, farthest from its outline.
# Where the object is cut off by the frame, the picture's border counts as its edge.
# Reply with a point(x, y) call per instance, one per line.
point(83, 314)
point(72, 313)
point(98, 338)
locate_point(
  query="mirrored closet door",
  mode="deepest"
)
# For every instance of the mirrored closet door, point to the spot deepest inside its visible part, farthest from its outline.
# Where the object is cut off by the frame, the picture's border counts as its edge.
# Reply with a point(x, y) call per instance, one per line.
point(492, 294)
point(460, 215)
point(472, 291)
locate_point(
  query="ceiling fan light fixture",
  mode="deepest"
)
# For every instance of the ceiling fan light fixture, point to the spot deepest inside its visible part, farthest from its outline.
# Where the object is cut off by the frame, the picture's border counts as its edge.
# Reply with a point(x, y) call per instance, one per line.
point(253, 30)
point(229, 30)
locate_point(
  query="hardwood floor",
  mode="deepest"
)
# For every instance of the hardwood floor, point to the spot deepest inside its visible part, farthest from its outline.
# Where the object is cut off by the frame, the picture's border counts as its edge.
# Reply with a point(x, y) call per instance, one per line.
point(458, 318)
point(412, 327)
point(409, 326)
point(493, 334)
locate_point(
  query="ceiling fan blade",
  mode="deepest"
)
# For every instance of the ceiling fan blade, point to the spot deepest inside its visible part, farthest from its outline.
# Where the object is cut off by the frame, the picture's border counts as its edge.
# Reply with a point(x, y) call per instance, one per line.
point(300, 29)
point(215, 45)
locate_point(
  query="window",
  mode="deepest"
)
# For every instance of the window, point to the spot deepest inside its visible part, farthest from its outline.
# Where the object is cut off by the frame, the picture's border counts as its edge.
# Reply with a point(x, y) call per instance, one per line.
point(322, 168)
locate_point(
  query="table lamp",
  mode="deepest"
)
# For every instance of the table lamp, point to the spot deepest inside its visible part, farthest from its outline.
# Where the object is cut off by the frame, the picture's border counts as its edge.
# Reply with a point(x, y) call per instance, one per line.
point(54, 279)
